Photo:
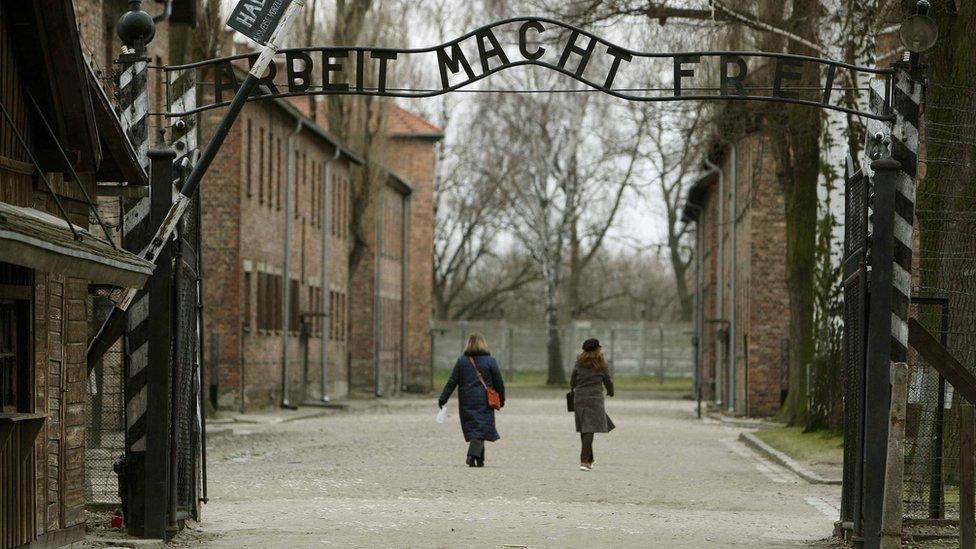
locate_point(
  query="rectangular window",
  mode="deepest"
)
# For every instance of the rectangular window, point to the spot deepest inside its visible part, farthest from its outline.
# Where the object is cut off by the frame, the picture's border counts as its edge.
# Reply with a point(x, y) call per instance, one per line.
point(298, 182)
point(294, 306)
point(248, 160)
point(8, 358)
point(343, 328)
point(261, 168)
point(346, 193)
point(333, 222)
point(272, 172)
point(246, 318)
point(314, 202)
point(281, 177)
point(275, 302)
point(262, 302)
point(278, 302)
point(332, 315)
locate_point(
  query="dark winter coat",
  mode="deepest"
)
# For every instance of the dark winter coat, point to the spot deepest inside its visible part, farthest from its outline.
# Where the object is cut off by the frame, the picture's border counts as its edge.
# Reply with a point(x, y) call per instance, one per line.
point(587, 384)
point(477, 419)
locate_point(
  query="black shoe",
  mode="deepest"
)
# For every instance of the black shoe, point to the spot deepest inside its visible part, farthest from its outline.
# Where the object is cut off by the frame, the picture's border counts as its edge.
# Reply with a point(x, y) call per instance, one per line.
point(480, 462)
point(470, 461)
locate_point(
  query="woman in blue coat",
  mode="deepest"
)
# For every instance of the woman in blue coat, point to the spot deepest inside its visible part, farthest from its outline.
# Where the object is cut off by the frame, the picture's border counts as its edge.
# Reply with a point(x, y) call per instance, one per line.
point(477, 418)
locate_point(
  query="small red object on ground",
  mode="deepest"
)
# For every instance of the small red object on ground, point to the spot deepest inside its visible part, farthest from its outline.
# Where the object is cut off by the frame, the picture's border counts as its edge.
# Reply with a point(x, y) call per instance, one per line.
point(117, 521)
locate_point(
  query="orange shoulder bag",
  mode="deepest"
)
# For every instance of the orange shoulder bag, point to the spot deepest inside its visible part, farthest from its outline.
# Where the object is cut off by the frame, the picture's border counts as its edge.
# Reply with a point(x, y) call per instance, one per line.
point(494, 399)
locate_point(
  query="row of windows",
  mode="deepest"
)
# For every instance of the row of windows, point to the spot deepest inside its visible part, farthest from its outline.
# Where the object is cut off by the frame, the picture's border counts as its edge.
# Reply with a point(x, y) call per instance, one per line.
point(269, 311)
point(266, 181)
point(338, 320)
point(339, 205)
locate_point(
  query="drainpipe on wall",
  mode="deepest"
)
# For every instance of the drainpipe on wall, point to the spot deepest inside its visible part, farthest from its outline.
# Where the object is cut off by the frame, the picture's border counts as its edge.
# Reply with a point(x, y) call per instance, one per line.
point(286, 283)
point(721, 349)
point(377, 304)
point(324, 284)
point(735, 295)
point(698, 323)
point(404, 261)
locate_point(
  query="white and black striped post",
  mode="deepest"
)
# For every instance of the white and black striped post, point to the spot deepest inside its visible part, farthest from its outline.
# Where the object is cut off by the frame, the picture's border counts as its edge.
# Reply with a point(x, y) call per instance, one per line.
point(893, 183)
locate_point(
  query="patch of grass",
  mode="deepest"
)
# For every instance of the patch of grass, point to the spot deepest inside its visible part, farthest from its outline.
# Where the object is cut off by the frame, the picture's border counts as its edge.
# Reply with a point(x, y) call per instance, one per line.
point(816, 446)
point(537, 380)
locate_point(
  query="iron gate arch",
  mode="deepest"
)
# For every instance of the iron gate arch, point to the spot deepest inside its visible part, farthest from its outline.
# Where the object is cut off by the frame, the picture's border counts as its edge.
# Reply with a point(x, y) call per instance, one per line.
point(892, 88)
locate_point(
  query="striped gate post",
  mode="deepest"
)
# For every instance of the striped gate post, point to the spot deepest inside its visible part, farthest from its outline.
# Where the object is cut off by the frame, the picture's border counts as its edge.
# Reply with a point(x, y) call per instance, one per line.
point(893, 181)
point(133, 101)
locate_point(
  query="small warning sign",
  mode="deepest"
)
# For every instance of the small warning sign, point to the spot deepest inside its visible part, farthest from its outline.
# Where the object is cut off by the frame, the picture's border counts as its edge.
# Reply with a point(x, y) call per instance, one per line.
point(258, 19)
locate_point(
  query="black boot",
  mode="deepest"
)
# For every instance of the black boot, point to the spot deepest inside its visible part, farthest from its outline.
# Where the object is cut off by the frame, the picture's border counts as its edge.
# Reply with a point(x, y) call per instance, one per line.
point(471, 461)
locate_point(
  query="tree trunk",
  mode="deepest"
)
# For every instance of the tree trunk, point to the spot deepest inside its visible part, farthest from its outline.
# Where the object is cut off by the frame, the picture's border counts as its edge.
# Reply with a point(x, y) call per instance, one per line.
point(556, 374)
point(573, 298)
point(799, 169)
point(680, 269)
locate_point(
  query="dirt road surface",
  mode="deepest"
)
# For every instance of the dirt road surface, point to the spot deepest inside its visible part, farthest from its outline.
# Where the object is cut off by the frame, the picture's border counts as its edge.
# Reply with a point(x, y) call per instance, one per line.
point(392, 477)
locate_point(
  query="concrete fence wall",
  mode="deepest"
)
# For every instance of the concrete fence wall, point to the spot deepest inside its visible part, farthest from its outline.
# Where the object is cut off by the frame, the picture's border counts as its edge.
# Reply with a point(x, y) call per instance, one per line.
point(631, 348)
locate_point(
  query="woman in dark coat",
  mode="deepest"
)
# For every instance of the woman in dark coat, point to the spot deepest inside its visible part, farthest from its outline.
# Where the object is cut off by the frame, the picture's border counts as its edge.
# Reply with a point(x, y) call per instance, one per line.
point(590, 376)
point(477, 418)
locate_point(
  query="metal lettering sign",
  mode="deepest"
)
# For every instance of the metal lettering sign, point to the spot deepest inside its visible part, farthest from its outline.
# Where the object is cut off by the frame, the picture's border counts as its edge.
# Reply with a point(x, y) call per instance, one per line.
point(258, 19)
point(538, 41)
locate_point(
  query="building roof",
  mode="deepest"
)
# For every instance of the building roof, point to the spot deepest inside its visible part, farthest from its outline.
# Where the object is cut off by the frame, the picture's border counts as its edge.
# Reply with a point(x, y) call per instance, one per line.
point(318, 131)
point(38, 240)
point(400, 122)
point(298, 113)
point(398, 183)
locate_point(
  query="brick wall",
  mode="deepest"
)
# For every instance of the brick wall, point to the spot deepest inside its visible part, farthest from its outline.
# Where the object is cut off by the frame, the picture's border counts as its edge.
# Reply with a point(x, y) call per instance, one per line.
point(768, 297)
point(414, 159)
point(379, 308)
point(761, 300)
point(244, 236)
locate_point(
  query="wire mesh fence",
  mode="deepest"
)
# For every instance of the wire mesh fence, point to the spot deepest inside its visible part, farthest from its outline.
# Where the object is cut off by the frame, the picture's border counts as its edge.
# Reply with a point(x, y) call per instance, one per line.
point(184, 382)
point(945, 300)
point(105, 418)
point(631, 348)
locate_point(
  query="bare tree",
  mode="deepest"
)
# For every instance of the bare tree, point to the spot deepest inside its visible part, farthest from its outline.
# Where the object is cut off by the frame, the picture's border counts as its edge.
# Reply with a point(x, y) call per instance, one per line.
point(677, 144)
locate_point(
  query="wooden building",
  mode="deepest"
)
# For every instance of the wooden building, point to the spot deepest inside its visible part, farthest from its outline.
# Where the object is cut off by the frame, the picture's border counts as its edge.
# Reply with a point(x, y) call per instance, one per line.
point(58, 138)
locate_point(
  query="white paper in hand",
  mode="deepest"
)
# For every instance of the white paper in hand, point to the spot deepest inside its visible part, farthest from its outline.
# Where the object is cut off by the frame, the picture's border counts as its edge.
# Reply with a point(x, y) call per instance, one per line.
point(442, 414)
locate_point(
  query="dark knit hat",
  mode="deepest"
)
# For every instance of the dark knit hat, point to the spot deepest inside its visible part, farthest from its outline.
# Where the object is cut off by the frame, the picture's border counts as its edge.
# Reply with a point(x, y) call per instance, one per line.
point(591, 345)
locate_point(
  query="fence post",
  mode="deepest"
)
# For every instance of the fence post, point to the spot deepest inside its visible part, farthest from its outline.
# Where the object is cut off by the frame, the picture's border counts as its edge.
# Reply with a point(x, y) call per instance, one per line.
point(879, 348)
point(511, 352)
point(643, 347)
point(967, 475)
point(895, 465)
point(660, 360)
point(892, 242)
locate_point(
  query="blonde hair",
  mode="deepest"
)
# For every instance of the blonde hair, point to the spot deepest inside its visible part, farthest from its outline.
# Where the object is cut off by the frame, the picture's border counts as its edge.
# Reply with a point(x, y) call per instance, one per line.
point(476, 344)
point(592, 359)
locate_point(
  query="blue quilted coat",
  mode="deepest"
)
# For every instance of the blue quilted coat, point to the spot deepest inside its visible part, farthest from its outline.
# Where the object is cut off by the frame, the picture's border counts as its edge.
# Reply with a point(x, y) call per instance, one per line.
point(477, 419)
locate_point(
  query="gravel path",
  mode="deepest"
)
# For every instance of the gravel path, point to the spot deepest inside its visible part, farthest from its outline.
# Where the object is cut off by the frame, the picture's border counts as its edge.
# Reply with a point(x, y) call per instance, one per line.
point(392, 477)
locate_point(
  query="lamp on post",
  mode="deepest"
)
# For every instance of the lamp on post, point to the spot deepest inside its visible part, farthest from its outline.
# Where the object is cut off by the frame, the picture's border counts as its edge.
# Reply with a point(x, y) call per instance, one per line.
point(136, 28)
point(919, 33)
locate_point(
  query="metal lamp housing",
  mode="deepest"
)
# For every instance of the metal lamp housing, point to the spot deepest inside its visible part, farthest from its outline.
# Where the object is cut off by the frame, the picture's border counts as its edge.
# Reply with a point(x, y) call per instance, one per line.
point(136, 27)
point(919, 33)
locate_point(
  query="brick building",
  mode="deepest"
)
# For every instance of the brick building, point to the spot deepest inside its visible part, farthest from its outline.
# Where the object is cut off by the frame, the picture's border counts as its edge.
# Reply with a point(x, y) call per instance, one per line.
point(379, 297)
point(412, 153)
point(59, 139)
point(375, 322)
point(742, 306)
point(246, 208)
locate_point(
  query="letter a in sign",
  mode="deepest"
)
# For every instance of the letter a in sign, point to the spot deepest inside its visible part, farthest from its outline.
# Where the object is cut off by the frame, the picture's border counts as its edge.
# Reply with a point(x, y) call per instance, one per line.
point(258, 19)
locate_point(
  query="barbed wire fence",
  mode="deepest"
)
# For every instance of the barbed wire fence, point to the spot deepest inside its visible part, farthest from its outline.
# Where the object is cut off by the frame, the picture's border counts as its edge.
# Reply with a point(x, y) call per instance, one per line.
point(944, 302)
